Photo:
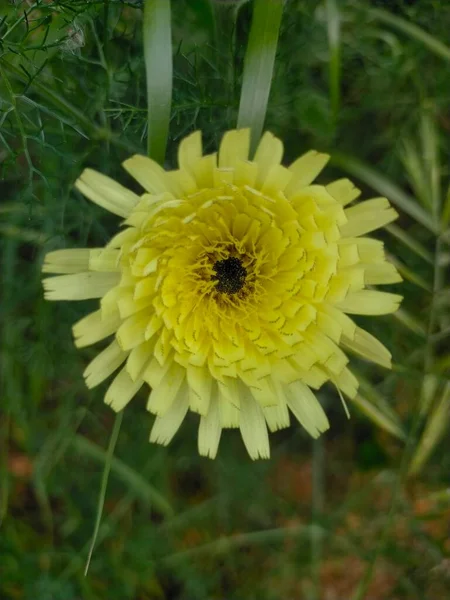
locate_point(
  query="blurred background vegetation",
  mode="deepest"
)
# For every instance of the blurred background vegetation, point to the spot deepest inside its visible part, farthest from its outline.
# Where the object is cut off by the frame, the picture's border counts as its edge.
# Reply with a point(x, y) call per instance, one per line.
point(362, 513)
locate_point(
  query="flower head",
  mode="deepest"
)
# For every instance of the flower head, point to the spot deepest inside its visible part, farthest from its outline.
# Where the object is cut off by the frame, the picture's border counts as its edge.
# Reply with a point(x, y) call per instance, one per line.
point(228, 289)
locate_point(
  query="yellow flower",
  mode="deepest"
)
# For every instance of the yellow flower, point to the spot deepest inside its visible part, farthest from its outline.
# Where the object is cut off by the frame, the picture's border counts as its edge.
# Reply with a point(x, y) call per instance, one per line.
point(228, 287)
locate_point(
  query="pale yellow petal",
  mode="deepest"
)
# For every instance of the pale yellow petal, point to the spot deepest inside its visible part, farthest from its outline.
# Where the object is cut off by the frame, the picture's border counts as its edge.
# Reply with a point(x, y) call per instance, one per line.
point(229, 403)
point(367, 216)
point(253, 427)
point(200, 382)
point(369, 302)
point(381, 273)
point(106, 192)
point(93, 328)
point(104, 259)
point(66, 261)
point(166, 426)
point(80, 286)
point(234, 147)
point(132, 331)
point(268, 153)
point(306, 408)
point(150, 175)
point(347, 383)
point(343, 190)
point(203, 170)
point(305, 169)
point(122, 390)
point(163, 395)
point(104, 364)
point(277, 416)
point(210, 428)
point(190, 151)
point(138, 359)
point(366, 345)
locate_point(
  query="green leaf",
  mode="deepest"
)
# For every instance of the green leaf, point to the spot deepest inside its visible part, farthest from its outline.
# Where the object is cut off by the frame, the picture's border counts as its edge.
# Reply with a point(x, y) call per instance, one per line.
point(334, 64)
point(413, 31)
point(130, 478)
point(435, 428)
point(258, 66)
point(158, 67)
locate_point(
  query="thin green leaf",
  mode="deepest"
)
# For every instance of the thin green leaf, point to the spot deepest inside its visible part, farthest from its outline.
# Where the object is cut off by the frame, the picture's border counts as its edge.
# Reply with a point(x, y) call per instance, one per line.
point(385, 187)
point(413, 31)
point(258, 66)
point(130, 478)
point(158, 67)
point(105, 477)
point(410, 322)
point(436, 427)
point(378, 417)
point(409, 274)
point(334, 64)
point(410, 242)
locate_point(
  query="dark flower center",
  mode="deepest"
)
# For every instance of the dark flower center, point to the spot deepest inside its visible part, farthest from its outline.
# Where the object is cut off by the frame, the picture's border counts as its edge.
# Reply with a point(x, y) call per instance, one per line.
point(230, 275)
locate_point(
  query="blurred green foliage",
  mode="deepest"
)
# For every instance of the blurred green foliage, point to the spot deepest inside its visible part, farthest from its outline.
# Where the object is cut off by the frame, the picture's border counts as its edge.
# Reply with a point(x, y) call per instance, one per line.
point(366, 81)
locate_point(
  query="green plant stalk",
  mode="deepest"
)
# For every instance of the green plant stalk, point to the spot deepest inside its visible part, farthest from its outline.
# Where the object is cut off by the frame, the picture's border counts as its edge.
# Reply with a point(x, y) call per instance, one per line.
point(334, 64)
point(158, 67)
point(104, 485)
point(258, 66)
point(318, 486)
point(419, 417)
point(415, 32)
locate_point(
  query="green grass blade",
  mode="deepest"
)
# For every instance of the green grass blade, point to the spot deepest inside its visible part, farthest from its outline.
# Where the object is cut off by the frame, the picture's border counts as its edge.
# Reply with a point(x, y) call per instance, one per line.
point(409, 274)
point(105, 477)
point(410, 242)
point(127, 475)
point(158, 67)
point(258, 66)
point(334, 65)
point(378, 417)
point(385, 187)
point(436, 426)
point(413, 31)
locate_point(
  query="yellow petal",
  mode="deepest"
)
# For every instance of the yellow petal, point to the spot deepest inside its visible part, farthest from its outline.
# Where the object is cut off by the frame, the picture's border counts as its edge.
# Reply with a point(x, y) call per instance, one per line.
point(210, 428)
point(163, 395)
point(80, 286)
point(253, 427)
point(203, 170)
point(343, 190)
point(190, 151)
point(122, 390)
point(166, 426)
point(366, 345)
point(150, 175)
point(132, 331)
point(138, 359)
point(104, 259)
point(66, 261)
point(305, 169)
point(306, 408)
point(106, 192)
point(367, 216)
point(268, 153)
point(234, 147)
point(277, 416)
point(104, 364)
point(200, 384)
point(93, 328)
point(370, 302)
point(229, 403)
point(381, 273)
